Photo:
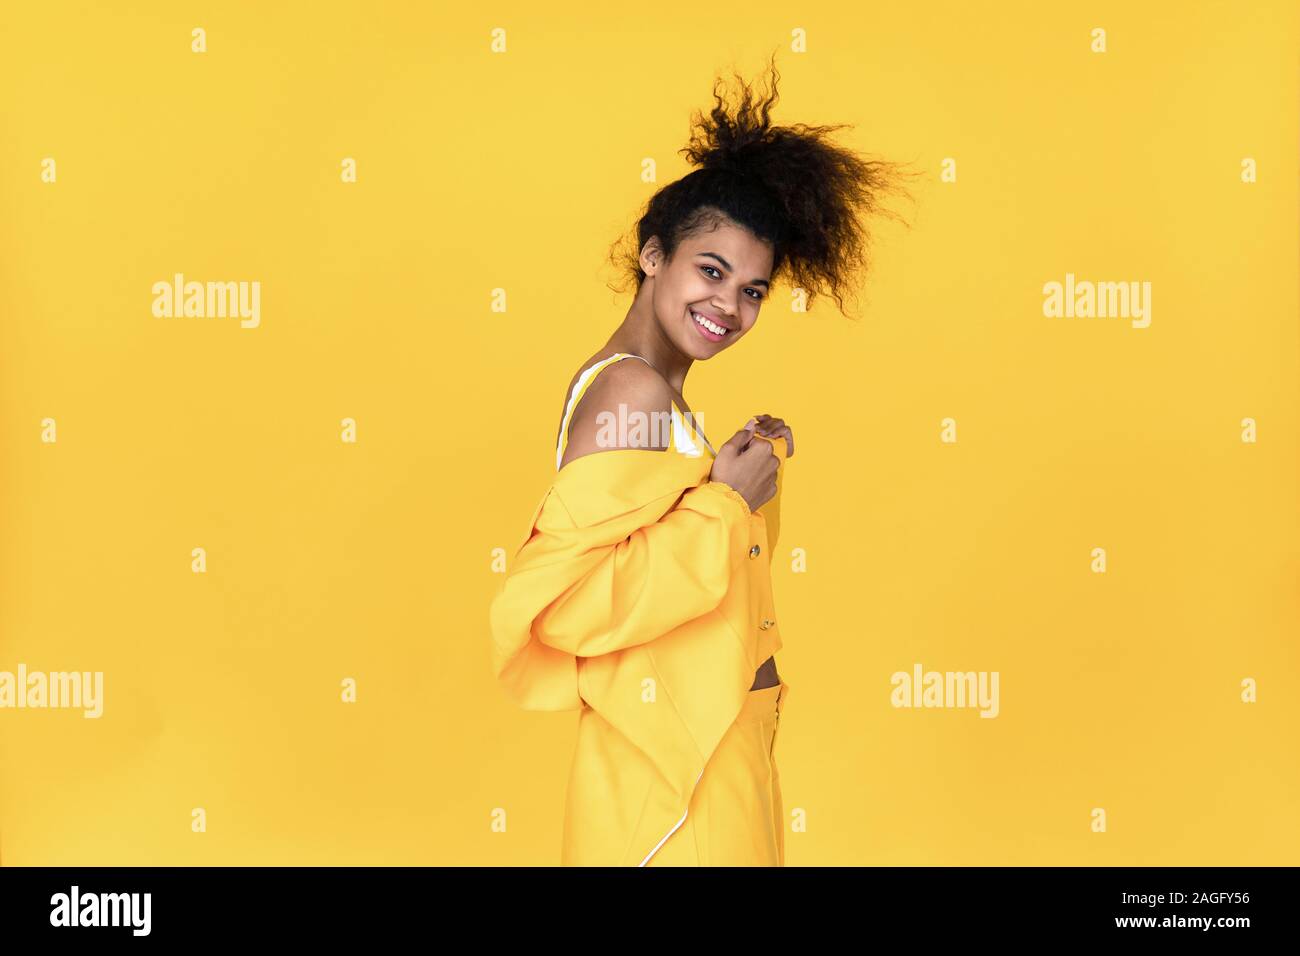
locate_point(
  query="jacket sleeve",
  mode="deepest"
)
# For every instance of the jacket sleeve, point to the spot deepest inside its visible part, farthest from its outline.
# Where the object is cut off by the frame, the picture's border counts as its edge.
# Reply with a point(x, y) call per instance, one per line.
point(586, 595)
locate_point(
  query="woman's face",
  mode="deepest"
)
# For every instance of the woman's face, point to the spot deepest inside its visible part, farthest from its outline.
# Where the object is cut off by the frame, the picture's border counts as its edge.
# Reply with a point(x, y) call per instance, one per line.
point(709, 295)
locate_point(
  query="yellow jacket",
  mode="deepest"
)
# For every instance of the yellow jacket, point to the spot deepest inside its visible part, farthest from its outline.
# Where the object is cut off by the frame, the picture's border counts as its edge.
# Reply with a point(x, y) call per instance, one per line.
point(639, 582)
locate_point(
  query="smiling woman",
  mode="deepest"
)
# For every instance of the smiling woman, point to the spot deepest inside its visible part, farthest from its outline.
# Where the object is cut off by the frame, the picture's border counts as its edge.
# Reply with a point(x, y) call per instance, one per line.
point(642, 594)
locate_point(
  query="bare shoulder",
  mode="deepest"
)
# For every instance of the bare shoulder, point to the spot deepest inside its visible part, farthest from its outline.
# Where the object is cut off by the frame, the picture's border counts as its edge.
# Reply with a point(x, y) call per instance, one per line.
point(627, 405)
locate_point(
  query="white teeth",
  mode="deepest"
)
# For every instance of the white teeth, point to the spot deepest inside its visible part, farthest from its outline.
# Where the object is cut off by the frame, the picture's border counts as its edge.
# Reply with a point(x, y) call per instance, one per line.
point(711, 326)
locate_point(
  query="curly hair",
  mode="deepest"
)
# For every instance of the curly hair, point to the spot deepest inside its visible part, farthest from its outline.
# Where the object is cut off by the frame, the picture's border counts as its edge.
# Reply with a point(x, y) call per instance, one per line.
point(785, 184)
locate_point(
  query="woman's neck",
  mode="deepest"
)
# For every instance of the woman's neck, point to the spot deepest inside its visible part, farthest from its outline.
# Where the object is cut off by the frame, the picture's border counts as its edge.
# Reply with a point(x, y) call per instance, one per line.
point(641, 334)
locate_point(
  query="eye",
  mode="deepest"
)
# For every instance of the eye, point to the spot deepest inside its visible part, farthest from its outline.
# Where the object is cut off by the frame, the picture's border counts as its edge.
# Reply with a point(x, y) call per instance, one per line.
point(757, 296)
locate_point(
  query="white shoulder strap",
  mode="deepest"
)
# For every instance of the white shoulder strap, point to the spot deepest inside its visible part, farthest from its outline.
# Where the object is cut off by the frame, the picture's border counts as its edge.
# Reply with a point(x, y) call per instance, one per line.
point(580, 386)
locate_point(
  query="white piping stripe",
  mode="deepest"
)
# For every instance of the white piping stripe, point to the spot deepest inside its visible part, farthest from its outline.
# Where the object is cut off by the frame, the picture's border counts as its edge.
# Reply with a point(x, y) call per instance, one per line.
point(675, 825)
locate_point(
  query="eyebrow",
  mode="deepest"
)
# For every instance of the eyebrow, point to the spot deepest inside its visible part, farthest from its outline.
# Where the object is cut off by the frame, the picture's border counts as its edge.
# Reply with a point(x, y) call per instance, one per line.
point(727, 265)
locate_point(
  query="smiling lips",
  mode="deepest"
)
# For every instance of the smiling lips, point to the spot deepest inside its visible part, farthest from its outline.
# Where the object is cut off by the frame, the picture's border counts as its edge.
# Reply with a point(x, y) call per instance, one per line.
point(710, 328)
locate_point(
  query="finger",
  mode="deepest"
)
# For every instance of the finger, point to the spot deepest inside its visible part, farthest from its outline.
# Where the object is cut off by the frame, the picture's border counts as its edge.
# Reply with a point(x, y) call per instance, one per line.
point(771, 440)
point(736, 442)
point(778, 427)
point(768, 450)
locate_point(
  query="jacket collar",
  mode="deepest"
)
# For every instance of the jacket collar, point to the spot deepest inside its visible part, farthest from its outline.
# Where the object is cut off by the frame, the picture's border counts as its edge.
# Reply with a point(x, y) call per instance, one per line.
point(605, 484)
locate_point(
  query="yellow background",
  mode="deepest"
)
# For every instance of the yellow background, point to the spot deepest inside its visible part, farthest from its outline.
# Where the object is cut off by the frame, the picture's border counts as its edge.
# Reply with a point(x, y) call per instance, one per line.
point(480, 171)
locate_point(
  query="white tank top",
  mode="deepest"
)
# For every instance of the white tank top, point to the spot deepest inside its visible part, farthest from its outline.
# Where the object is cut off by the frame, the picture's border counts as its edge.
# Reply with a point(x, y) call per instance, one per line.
point(686, 438)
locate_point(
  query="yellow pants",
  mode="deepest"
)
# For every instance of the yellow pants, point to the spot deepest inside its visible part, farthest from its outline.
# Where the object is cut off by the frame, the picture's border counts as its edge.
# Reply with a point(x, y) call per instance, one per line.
point(736, 817)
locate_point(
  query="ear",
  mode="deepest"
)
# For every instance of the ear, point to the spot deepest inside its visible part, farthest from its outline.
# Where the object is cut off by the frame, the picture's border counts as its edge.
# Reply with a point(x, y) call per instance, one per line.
point(651, 256)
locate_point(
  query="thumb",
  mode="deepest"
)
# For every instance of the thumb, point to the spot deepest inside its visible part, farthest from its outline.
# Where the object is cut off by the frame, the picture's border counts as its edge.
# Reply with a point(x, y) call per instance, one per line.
point(737, 442)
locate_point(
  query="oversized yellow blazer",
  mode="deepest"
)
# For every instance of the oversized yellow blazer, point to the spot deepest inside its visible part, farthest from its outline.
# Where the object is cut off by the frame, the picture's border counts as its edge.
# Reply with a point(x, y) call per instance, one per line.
point(642, 590)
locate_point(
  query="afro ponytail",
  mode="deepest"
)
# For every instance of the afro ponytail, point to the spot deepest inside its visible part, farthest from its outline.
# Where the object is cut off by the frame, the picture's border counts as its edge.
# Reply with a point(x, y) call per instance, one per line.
point(787, 185)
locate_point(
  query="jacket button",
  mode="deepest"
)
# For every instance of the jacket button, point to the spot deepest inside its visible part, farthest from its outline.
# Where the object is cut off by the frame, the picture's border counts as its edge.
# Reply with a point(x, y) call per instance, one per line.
point(765, 625)
point(753, 552)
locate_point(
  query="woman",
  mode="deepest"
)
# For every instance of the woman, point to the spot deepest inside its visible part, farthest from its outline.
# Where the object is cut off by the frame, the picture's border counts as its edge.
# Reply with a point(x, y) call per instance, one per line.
point(642, 595)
